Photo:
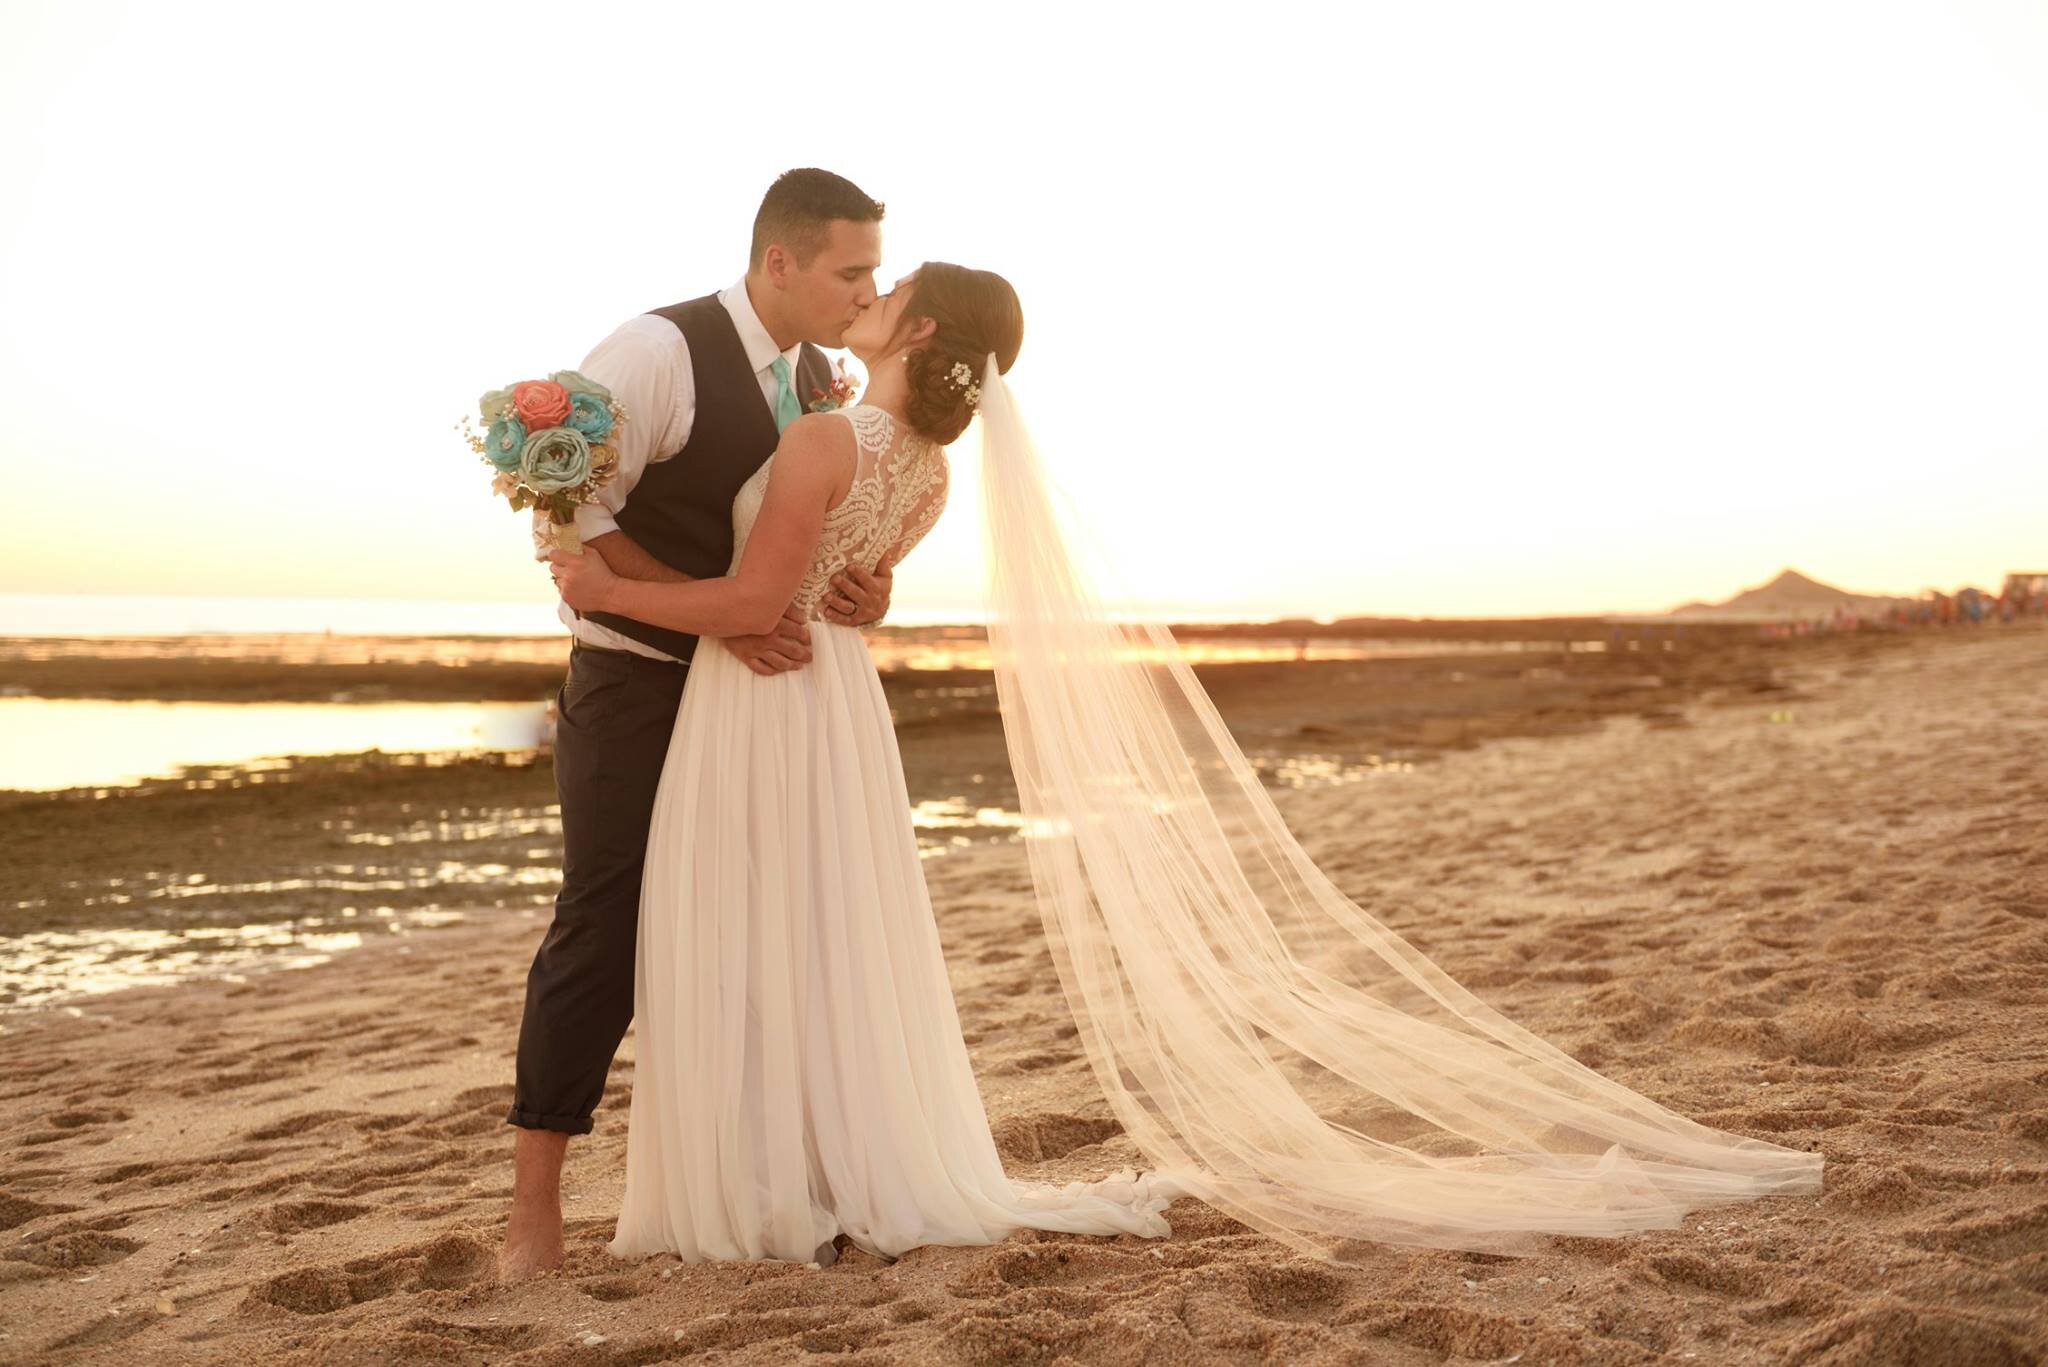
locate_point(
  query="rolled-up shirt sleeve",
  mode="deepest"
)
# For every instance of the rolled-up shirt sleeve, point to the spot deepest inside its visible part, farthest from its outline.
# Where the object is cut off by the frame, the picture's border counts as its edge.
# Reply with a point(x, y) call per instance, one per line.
point(646, 365)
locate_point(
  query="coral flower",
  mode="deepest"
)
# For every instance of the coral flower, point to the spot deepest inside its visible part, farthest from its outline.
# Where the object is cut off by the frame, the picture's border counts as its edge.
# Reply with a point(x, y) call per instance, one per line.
point(540, 404)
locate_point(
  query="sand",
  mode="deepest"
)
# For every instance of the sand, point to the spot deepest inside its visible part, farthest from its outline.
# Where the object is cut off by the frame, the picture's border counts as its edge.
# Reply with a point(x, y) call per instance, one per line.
point(1820, 916)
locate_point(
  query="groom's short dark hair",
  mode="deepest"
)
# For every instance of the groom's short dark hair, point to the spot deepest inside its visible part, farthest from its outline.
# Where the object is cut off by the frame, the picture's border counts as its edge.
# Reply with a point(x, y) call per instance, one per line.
point(799, 208)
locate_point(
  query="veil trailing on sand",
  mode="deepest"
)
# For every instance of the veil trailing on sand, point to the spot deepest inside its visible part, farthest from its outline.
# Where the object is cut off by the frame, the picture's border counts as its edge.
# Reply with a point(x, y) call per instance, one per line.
point(1270, 1047)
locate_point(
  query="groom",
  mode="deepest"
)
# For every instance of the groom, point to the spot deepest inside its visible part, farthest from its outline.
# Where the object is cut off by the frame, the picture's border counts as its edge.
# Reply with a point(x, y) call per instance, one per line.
point(707, 386)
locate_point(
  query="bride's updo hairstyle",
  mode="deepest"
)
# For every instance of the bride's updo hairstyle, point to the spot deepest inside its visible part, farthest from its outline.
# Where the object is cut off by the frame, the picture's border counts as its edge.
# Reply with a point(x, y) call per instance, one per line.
point(977, 312)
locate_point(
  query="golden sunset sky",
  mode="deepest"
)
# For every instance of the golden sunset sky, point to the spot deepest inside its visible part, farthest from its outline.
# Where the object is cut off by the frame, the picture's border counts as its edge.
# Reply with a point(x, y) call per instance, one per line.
point(1436, 309)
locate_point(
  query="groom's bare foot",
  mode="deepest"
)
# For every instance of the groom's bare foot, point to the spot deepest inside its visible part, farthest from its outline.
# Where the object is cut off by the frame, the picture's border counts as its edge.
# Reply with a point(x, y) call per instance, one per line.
point(533, 1242)
point(533, 1232)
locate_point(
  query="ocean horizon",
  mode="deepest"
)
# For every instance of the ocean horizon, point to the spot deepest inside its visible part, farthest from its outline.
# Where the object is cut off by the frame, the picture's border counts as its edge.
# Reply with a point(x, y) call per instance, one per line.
point(80, 614)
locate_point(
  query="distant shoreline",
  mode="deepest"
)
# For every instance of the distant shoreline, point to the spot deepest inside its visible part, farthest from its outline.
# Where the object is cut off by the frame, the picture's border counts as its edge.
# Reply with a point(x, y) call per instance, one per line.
point(332, 669)
point(321, 668)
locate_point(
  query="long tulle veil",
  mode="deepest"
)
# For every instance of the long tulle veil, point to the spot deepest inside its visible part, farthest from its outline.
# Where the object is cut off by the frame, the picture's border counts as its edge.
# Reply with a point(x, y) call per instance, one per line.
point(1269, 1046)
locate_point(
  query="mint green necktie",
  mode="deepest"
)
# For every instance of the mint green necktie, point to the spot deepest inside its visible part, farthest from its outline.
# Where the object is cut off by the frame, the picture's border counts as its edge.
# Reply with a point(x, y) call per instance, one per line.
point(787, 409)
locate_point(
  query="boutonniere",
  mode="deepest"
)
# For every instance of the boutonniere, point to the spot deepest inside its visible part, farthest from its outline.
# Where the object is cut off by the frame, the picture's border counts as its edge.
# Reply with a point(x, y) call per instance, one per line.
point(839, 395)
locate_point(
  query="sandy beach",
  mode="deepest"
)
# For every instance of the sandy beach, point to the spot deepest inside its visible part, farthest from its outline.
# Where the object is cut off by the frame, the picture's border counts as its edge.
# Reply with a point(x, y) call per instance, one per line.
point(1813, 909)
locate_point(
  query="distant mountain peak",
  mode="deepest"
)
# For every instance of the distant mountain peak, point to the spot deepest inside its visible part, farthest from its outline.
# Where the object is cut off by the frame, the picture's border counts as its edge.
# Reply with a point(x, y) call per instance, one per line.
point(1790, 578)
point(1790, 594)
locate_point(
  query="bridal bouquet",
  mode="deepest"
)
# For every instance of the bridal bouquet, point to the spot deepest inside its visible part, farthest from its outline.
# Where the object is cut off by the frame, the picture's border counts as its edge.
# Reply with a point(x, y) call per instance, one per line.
point(547, 441)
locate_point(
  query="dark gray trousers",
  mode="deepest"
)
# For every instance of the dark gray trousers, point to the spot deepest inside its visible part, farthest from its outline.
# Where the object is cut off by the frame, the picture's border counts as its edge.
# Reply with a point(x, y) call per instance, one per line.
point(614, 715)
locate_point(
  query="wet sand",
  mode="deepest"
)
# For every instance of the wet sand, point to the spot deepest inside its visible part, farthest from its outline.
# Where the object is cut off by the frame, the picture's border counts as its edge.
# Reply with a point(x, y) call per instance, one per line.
point(223, 865)
point(235, 844)
point(1799, 893)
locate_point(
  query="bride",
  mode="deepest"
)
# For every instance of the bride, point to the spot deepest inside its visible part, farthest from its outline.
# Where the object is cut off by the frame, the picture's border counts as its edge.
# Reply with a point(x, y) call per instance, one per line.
point(1270, 1047)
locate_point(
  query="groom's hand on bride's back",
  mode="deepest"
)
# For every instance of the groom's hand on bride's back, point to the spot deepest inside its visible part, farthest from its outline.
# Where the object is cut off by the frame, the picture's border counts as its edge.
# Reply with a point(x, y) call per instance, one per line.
point(858, 598)
point(784, 647)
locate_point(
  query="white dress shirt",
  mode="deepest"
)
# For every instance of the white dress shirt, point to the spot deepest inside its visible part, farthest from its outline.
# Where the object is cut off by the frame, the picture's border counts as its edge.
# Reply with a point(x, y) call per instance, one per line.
point(646, 365)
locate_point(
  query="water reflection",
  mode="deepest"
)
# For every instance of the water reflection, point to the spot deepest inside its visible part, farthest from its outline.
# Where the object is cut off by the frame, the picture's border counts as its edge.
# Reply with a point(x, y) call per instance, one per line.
point(948, 824)
point(917, 648)
point(54, 743)
point(1322, 771)
point(362, 846)
point(296, 648)
point(963, 648)
point(51, 967)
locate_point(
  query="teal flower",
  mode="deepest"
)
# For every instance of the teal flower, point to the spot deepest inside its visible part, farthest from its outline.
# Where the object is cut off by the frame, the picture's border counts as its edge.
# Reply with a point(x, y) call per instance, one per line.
point(576, 384)
point(504, 442)
point(589, 415)
point(556, 459)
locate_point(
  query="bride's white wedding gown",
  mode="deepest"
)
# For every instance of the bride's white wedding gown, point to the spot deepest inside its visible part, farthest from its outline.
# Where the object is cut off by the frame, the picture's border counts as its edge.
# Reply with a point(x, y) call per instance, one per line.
point(800, 1070)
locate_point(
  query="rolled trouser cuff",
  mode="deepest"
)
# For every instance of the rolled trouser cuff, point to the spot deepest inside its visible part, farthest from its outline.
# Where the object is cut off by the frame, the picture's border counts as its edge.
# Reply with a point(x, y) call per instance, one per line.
point(561, 1124)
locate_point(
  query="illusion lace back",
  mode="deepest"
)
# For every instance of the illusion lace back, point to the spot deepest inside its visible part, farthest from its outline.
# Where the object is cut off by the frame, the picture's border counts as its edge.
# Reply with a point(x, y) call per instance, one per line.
point(799, 1064)
point(899, 489)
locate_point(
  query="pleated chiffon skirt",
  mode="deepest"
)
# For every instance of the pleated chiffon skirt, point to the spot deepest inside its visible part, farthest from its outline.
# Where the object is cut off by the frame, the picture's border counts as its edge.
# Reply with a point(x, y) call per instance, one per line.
point(800, 1071)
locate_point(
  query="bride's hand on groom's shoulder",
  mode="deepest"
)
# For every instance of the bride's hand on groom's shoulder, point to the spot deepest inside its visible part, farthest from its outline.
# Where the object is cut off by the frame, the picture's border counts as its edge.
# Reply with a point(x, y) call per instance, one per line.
point(787, 646)
point(858, 598)
point(582, 580)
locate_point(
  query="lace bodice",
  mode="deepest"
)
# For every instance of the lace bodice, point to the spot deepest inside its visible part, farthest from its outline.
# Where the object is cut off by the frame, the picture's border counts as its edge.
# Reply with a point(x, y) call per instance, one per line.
point(898, 491)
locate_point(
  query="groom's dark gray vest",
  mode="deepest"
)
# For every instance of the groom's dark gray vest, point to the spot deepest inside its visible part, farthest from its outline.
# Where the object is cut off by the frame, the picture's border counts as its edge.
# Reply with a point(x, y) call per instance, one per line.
point(681, 510)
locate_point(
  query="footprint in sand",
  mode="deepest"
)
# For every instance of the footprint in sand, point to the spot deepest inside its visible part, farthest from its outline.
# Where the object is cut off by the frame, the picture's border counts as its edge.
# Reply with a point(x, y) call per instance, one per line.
point(234, 1081)
point(112, 1329)
point(446, 1263)
point(63, 1252)
point(1036, 1062)
point(1293, 1292)
point(1910, 1334)
point(86, 1115)
point(1072, 1267)
point(19, 1210)
point(505, 1337)
point(613, 1289)
point(1719, 1278)
point(1033, 1138)
point(289, 1217)
point(291, 1126)
point(1994, 1238)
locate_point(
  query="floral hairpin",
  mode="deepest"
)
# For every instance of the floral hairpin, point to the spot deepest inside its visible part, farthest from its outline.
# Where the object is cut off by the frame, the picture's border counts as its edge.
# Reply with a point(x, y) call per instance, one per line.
point(960, 375)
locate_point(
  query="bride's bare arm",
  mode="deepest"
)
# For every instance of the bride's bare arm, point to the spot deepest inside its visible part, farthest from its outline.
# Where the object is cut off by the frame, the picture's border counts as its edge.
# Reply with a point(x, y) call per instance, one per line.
point(813, 467)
